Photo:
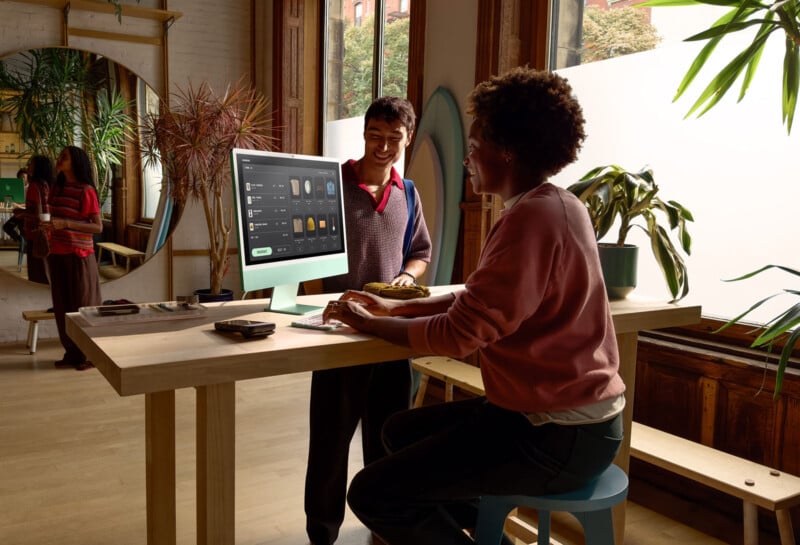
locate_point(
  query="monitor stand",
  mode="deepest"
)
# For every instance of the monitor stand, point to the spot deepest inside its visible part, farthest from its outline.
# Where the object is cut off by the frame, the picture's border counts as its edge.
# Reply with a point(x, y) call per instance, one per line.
point(284, 300)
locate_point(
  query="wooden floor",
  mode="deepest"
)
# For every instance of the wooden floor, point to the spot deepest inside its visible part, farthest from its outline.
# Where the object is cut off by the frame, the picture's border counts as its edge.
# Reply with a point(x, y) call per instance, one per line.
point(9, 259)
point(72, 462)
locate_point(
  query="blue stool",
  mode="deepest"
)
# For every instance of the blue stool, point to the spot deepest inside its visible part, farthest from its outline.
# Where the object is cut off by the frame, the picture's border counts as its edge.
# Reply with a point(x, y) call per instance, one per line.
point(591, 505)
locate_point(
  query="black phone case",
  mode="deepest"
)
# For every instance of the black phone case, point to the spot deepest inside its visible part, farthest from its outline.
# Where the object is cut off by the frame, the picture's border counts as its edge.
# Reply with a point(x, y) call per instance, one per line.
point(248, 329)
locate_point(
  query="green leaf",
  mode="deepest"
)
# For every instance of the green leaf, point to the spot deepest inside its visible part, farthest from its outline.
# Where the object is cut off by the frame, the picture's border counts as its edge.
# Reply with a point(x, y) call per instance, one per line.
point(790, 83)
point(736, 319)
point(673, 3)
point(762, 269)
point(730, 28)
point(725, 79)
point(779, 325)
point(665, 255)
point(753, 64)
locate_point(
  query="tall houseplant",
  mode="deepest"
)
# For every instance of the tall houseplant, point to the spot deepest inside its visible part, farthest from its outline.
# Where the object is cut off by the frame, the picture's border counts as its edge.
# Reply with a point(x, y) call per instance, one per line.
point(192, 137)
point(767, 18)
point(612, 193)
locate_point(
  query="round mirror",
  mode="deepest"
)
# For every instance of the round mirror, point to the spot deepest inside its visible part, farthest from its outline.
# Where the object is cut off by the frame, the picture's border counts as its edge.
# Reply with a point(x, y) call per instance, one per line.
point(53, 97)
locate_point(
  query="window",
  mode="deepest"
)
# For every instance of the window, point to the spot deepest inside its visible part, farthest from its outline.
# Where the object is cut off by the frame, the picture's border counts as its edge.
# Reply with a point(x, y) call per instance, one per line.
point(732, 167)
point(147, 102)
point(353, 79)
point(359, 13)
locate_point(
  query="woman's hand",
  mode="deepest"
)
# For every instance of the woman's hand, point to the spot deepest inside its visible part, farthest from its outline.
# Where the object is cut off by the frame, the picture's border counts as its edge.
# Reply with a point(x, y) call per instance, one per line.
point(369, 313)
point(375, 304)
point(57, 224)
point(348, 312)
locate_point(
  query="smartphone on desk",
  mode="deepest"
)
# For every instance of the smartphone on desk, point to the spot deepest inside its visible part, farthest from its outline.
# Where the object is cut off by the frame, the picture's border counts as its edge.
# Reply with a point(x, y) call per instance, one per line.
point(248, 328)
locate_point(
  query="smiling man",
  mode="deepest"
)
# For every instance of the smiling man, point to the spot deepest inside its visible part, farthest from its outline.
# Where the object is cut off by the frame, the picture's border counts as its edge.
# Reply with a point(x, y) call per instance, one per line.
point(377, 214)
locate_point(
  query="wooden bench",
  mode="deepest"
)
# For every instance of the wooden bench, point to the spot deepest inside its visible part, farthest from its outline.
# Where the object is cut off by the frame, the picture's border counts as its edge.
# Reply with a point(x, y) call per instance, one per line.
point(451, 372)
point(753, 483)
point(119, 250)
point(33, 317)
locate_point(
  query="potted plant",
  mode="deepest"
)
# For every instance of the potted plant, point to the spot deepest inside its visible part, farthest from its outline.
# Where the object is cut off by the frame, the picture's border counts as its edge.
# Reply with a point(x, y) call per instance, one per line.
point(192, 136)
point(611, 193)
point(779, 18)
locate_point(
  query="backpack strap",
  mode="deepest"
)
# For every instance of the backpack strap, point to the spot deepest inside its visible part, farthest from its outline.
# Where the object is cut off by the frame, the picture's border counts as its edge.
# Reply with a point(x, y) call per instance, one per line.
point(408, 185)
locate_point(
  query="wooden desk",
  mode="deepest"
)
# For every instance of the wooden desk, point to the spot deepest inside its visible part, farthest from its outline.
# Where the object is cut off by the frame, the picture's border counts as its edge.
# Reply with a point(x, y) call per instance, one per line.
point(156, 358)
point(631, 316)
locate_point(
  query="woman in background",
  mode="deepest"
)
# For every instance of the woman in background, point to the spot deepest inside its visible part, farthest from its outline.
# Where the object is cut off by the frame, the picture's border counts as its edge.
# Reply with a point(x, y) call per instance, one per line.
point(75, 217)
point(40, 180)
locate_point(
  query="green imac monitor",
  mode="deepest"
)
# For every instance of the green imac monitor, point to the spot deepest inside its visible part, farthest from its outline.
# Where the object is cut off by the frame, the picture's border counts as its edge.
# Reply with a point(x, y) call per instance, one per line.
point(290, 222)
point(14, 188)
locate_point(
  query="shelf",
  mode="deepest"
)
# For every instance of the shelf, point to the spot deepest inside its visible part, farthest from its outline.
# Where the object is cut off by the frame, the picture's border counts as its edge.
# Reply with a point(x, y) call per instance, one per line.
point(106, 7)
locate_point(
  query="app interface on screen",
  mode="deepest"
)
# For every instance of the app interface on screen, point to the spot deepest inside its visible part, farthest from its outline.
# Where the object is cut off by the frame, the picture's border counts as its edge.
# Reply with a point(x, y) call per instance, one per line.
point(290, 211)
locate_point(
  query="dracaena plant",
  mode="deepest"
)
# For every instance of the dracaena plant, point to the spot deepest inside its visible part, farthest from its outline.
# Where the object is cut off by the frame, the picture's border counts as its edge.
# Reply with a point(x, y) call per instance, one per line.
point(612, 193)
point(780, 327)
point(777, 18)
point(192, 136)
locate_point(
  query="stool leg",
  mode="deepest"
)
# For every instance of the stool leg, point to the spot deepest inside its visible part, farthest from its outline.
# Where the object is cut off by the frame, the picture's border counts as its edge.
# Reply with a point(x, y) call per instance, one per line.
point(785, 526)
point(543, 528)
point(598, 526)
point(30, 334)
point(33, 335)
point(750, 523)
point(423, 385)
point(491, 520)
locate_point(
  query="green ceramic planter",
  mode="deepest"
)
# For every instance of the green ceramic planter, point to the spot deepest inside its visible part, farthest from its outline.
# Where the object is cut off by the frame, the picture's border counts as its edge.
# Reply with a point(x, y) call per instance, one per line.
point(619, 269)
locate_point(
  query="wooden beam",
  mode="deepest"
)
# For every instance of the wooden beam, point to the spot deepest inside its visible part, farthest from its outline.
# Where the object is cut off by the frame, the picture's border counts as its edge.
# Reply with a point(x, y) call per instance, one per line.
point(106, 7)
point(117, 36)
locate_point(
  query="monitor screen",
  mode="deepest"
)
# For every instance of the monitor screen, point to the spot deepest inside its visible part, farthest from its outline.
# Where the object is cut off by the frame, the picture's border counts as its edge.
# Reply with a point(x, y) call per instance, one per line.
point(13, 188)
point(290, 222)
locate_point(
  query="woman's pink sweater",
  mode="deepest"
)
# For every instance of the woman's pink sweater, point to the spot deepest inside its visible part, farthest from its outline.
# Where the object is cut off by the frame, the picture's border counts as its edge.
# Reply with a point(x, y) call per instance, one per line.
point(535, 309)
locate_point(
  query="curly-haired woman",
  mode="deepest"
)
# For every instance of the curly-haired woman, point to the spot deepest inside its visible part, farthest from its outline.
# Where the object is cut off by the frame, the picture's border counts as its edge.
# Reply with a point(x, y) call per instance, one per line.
point(536, 312)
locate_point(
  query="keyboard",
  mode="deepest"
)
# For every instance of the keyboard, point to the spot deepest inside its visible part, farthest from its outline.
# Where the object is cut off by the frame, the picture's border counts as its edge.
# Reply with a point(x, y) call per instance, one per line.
point(314, 321)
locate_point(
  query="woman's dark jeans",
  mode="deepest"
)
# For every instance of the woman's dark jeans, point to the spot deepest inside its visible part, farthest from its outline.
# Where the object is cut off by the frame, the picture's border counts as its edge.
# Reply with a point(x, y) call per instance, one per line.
point(444, 457)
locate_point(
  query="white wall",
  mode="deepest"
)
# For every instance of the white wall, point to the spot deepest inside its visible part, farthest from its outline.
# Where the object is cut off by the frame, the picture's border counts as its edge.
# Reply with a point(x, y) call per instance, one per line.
point(450, 40)
point(734, 167)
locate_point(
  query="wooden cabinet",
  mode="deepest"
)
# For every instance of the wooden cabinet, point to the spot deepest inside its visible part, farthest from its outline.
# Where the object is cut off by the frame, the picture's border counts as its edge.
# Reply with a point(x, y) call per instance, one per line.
point(723, 400)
